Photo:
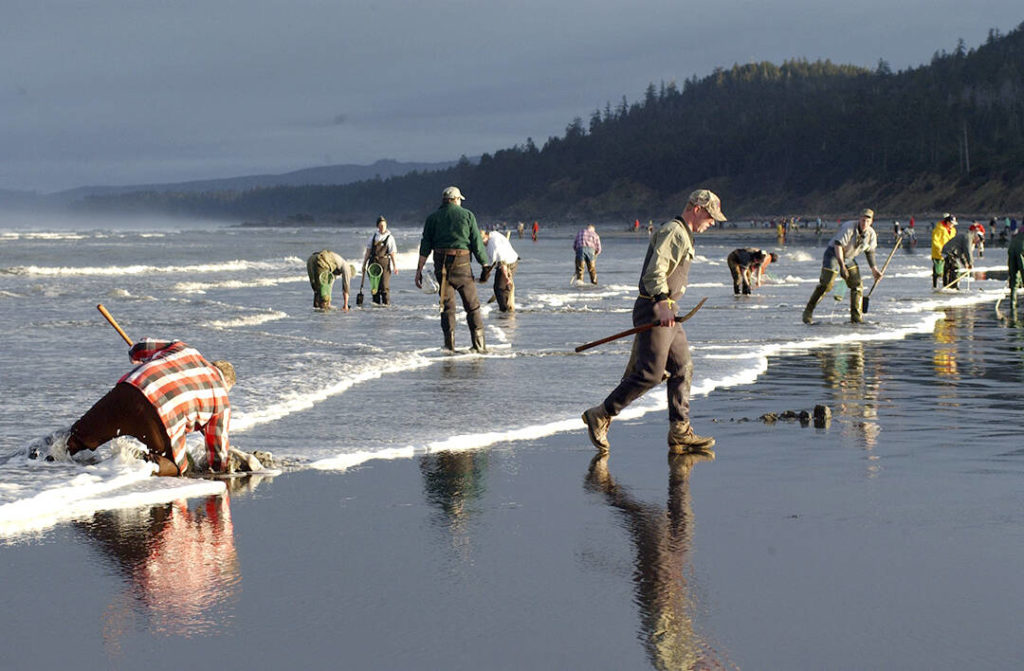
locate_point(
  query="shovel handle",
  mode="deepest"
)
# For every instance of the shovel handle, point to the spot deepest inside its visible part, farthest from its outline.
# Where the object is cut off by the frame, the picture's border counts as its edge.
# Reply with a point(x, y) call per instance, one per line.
point(639, 329)
point(113, 322)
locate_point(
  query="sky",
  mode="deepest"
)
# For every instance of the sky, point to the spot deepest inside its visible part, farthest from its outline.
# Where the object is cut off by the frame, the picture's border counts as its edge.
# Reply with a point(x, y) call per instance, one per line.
point(115, 92)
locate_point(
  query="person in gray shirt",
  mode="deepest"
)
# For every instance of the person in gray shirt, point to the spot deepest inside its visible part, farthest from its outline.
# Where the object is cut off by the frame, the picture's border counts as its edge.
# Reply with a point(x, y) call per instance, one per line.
point(851, 239)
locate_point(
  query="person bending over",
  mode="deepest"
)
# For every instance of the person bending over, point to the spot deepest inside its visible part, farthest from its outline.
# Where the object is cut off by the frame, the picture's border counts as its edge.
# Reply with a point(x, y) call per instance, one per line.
point(172, 391)
point(748, 267)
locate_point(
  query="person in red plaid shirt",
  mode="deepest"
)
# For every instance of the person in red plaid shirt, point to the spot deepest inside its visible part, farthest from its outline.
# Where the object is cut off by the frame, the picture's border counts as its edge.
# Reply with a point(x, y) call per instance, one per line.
point(173, 392)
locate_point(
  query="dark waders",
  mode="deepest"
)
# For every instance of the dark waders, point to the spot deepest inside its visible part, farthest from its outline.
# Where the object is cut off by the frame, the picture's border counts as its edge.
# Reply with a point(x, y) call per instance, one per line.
point(457, 275)
point(825, 282)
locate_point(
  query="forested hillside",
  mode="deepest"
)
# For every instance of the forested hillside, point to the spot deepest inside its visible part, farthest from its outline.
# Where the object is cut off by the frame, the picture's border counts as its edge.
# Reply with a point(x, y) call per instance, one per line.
point(798, 138)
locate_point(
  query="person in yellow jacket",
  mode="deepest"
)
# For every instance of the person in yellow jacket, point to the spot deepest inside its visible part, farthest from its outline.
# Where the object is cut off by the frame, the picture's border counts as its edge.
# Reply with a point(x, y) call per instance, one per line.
point(941, 234)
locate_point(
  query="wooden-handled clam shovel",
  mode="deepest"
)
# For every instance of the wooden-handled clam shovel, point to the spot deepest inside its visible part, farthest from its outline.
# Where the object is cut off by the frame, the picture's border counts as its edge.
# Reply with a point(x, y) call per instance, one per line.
point(113, 322)
point(867, 299)
point(640, 329)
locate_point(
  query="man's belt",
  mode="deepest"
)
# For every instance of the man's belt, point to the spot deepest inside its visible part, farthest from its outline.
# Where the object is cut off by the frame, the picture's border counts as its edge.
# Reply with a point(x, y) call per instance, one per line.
point(452, 252)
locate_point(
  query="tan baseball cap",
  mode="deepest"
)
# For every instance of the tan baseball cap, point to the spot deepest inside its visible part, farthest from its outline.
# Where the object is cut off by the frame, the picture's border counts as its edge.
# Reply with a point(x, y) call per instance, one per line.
point(867, 212)
point(451, 193)
point(709, 201)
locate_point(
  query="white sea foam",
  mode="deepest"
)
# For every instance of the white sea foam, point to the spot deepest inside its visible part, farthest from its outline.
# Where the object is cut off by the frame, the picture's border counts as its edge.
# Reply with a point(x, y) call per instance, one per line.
point(203, 287)
point(407, 260)
point(85, 271)
point(250, 320)
point(43, 493)
point(345, 461)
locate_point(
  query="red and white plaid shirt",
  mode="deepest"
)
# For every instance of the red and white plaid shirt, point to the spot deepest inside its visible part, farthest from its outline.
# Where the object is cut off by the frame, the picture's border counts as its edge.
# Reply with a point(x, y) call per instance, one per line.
point(188, 393)
point(587, 238)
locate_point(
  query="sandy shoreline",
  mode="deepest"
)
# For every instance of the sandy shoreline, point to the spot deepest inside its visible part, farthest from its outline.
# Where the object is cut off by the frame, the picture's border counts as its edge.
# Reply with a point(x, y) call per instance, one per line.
point(889, 540)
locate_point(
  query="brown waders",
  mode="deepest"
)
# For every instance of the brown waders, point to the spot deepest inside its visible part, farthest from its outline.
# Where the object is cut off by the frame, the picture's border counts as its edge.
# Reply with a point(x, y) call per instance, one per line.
point(457, 275)
point(321, 279)
point(591, 269)
point(124, 411)
point(825, 282)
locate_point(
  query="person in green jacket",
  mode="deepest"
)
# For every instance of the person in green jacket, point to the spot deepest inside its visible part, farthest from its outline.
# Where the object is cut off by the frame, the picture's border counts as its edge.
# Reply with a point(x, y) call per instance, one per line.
point(451, 234)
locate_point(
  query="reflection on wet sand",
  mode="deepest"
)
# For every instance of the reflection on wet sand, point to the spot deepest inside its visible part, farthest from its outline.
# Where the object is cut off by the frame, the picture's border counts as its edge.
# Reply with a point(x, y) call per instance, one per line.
point(856, 388)
point(944, 354)
point(662, 538)
point(964, 355)
point(454, 483)
point(180, 565)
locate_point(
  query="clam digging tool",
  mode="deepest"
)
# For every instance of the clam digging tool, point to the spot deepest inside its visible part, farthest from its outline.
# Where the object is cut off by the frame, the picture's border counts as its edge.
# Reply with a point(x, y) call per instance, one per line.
point(113, 322)
point(867, 299)
point(640, 329)
point(959, 276)
point(359, 296)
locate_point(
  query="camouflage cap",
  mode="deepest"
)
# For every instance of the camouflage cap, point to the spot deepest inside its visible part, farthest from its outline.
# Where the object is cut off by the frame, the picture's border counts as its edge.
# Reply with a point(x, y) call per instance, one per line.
point(709, 201)
point(867, 212)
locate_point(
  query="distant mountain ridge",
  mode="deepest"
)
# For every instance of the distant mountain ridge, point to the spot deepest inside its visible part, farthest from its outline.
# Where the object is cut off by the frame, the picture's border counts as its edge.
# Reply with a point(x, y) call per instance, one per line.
point(321, 175)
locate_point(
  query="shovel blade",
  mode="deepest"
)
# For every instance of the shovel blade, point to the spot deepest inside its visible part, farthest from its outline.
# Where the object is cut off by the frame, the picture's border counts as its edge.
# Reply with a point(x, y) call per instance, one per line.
point(359, 298)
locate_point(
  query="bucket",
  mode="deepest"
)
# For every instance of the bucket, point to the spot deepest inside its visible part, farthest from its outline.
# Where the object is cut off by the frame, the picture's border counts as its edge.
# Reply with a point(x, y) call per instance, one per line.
point(375, 271)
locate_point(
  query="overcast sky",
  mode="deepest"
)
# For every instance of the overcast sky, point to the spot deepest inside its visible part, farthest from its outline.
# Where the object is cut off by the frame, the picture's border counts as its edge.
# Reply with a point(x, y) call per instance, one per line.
point(133, 91)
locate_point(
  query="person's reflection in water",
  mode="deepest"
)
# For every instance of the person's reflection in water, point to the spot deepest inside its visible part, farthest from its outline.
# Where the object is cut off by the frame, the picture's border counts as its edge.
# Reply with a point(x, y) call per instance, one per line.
point(662, 538)
point(1010, 319)
point(857, 388)
point(944, 355)
point(180, 563)
point(453, 483)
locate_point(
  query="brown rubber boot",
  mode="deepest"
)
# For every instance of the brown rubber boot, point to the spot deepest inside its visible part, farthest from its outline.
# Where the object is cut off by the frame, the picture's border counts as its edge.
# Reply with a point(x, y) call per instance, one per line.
point(856, 295)
point(856, 306)
point(597, 420)
point(823, 287)
point(477, 338)
point(682, 439)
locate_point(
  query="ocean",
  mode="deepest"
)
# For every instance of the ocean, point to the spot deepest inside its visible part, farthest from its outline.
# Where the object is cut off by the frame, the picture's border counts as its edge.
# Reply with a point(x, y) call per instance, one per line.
point(332, 390)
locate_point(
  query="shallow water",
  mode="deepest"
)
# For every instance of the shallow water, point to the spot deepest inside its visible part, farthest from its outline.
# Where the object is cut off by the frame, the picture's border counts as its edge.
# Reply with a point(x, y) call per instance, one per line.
point(331, 390)
point(888, 540)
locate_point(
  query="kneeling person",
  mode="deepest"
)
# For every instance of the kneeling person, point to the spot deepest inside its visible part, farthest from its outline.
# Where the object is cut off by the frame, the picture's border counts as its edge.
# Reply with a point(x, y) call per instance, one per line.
point(172, 392)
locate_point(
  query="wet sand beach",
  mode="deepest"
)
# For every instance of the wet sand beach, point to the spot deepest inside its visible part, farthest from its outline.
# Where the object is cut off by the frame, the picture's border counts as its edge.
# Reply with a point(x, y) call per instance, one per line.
point(889, 540)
